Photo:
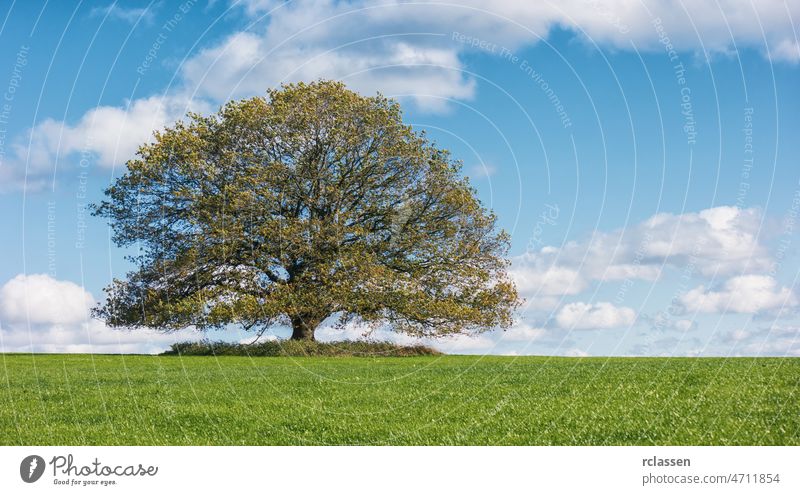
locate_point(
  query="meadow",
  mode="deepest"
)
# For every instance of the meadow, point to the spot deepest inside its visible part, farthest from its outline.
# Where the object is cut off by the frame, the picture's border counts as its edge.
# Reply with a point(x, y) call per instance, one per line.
point(440, 400)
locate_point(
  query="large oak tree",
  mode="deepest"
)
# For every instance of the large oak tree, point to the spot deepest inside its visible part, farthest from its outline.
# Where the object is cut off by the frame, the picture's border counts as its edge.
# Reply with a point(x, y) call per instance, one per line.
point(309, 203)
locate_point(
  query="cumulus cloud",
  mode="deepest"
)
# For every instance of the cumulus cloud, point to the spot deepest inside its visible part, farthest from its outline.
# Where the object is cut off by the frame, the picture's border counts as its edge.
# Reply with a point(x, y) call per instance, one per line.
point(534, 276)
point(736, 335)
point(775, 340)
point(401, 49)
point(765, 25)
point(665, 320)
point(403, 66)
point(398, 47)
point(482, 171)
point(106, 136)
point(684, 325)
point(773, 347)
point(40, 299)
point(41, 314)
point(716, 241)
point(131, 15)
point(672, 346)
point(590, 316)
point(742, 294)
point(523, 332)
point(575, 352)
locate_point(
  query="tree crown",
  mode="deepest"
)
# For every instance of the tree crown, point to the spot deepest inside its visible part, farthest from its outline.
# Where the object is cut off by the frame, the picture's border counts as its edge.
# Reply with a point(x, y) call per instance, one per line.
point(310, 202)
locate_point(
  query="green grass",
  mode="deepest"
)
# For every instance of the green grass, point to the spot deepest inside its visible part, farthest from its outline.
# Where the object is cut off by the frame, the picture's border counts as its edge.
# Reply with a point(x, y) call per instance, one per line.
point(157, 400)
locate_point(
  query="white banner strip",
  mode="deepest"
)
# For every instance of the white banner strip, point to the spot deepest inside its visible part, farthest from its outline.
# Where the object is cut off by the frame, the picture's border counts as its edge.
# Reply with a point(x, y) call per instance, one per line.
point(400, 470)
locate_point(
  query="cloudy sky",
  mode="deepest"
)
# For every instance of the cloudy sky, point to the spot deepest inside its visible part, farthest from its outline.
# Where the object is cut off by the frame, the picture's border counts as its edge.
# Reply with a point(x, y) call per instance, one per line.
point(643, 154)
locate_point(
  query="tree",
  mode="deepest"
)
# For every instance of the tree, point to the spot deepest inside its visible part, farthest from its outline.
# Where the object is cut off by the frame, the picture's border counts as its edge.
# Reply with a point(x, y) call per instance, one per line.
point(310, 203)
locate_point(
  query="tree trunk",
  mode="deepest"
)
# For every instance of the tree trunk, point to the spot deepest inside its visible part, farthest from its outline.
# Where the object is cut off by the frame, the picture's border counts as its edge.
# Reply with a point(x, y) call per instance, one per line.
point(303, 327)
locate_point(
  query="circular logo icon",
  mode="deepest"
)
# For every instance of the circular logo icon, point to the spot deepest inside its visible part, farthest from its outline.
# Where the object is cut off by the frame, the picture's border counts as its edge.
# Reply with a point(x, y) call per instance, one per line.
point(31, 468)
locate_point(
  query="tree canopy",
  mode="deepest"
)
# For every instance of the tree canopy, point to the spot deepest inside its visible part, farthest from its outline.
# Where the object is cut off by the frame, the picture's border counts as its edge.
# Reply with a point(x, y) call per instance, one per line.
point(309, 203)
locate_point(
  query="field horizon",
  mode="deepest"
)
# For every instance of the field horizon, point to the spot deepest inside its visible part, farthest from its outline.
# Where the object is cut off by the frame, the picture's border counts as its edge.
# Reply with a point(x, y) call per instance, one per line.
point(135, 399)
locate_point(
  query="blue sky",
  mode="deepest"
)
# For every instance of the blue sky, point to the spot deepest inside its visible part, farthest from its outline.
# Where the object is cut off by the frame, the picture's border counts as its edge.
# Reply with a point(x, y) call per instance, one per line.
point(642, 154)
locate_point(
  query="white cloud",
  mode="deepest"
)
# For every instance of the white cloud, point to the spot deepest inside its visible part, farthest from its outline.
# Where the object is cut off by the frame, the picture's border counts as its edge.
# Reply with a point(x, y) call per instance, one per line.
point(41, 314)
point(766, 25)
point(575, 352)
point(717, 241)
point(463, 344)
point(783, 331)
point(105, 135)
point(586, 316)
point(786, 50)
point(522, 332)
point(542, 303)
point(534, 277)
point(266, 337)
point(42, 299)
point(246, 64)
point(742, 294)
point(773, 347)
point(664, 321)
point(358, 41)
point(775, 340)
point(482, 171)
point(402, 49)
point(131, 15)
point(737, 335)
point(255, 8)
point(722, 240)
point(684, 325)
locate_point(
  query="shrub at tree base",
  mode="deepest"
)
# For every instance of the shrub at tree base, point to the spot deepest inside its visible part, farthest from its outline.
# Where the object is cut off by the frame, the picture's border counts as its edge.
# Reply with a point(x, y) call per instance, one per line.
point(299, 348)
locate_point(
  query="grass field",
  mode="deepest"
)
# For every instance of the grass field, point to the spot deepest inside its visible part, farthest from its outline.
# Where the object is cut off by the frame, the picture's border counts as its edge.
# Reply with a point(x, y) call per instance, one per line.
point(157, 400)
